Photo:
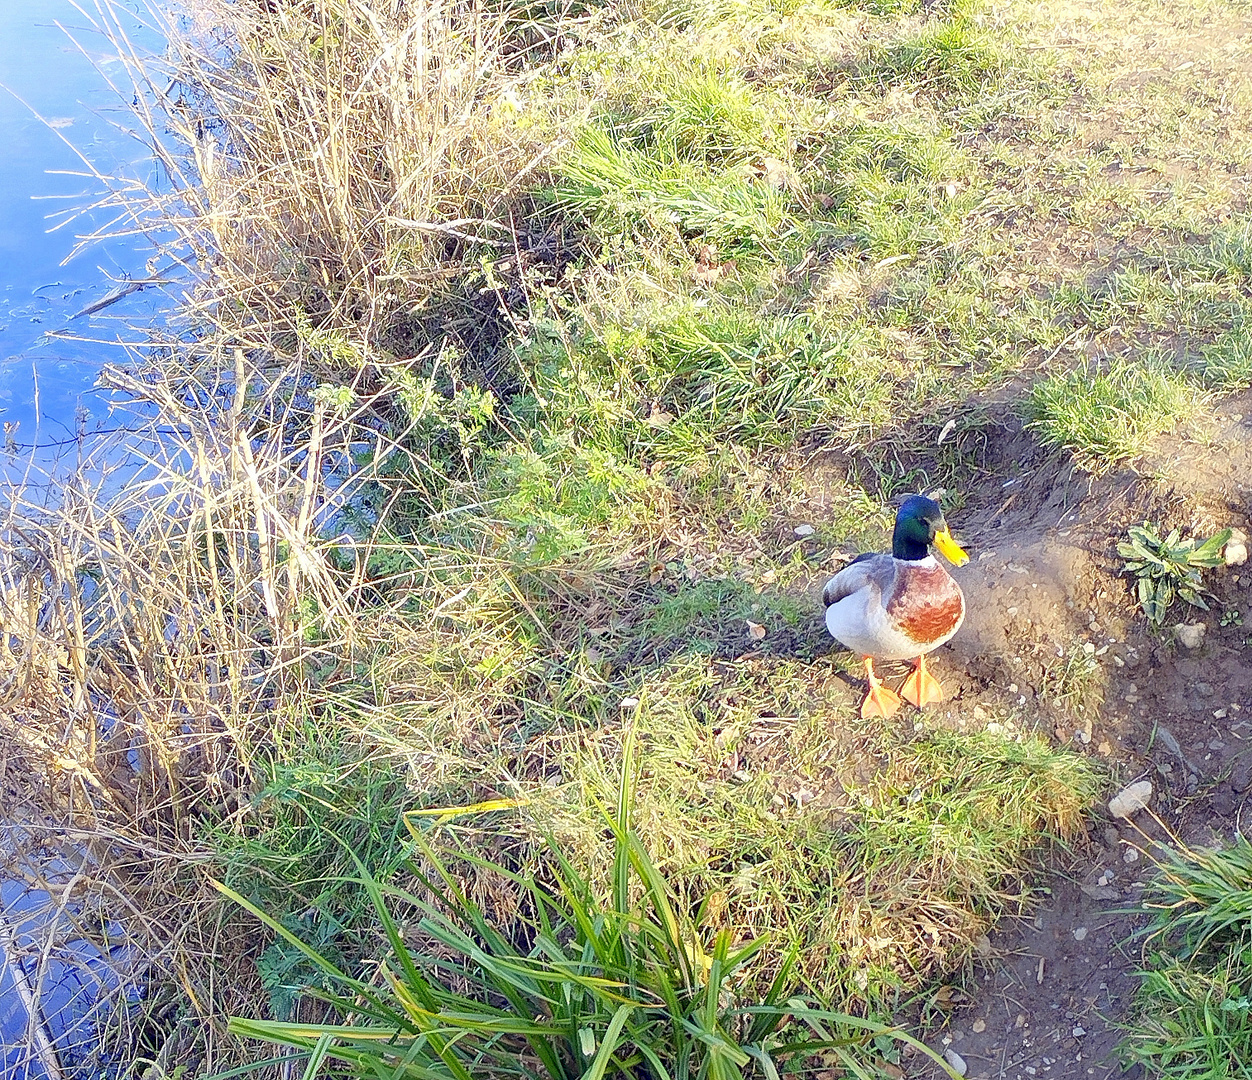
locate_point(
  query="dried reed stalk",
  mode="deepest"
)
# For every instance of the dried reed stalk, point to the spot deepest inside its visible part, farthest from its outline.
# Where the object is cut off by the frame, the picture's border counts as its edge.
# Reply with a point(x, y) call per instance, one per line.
point(325, 170)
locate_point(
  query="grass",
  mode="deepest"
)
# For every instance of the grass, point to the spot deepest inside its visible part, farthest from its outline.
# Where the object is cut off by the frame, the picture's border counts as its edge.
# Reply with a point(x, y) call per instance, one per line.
point(879, 883)
point(517, 345)
point(1107, 417)
point(574, 986)
point(1191, 1009)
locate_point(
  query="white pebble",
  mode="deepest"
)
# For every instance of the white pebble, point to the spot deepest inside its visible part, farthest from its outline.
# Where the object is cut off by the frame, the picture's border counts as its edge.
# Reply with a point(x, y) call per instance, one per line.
point(956, 1061)
point(1080, 933)
point(1190, 635)
point(1131, 799)
point(805, 530)
point(1237, 548)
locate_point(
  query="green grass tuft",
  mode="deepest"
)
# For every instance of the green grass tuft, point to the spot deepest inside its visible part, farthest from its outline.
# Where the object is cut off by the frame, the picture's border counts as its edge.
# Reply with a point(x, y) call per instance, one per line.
point(880, 882)
point(1109, 415)
point(580, 984)
point(1192, 1018)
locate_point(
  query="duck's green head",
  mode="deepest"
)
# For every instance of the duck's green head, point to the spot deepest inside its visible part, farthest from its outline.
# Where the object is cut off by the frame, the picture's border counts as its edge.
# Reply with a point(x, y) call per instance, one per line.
point(918, 525)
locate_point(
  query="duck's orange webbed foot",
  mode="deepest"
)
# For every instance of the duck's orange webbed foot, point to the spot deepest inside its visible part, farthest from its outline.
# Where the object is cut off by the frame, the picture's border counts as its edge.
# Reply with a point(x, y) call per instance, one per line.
point(921, 688)
point(879, 699)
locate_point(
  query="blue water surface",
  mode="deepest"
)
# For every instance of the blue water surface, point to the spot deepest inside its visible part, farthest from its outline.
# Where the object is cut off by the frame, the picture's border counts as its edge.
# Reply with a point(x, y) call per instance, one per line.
point(66, 105)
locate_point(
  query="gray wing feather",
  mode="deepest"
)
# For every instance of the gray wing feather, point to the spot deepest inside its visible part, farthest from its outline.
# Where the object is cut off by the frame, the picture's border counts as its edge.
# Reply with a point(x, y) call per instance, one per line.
point(869, 569)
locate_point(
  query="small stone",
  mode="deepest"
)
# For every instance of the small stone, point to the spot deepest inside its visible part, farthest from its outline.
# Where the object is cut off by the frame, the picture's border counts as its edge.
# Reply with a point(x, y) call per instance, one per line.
point(1089, 648)
point(1079, 1031)
point(630, 703)
point(1130, 855)
point(1204, 689)
point(805, 530)
point(1131, 799)
point(978, 1026)
point(1237, 548)
point(1080, 934)
point(1190, 635)
point(1101, 892)
point(1241, 774)
point(1111, 836)
point(956, 1061)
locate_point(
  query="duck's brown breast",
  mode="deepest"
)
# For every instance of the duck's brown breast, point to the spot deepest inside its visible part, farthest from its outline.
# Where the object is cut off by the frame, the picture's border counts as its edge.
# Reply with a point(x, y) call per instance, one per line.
point(926, 604)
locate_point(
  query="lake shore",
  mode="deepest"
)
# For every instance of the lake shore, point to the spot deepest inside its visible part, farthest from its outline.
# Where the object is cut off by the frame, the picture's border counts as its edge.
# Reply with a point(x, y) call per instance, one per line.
point(536, 369)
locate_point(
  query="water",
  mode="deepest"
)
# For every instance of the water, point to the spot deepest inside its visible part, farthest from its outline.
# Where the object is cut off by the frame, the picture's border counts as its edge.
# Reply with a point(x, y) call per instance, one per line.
point(46, 396)
point(46, 385)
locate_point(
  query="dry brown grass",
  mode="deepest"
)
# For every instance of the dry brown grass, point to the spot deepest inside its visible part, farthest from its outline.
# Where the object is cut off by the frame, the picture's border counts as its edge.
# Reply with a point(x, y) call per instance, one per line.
point(324, 171)
point(151, 643)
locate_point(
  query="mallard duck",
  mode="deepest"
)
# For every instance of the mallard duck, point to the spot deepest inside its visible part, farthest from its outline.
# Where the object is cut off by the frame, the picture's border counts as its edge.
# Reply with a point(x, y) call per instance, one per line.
point(899, 606)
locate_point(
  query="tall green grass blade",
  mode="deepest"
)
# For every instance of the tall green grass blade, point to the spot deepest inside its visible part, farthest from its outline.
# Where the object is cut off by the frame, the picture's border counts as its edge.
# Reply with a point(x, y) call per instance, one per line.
point(766, 1020)
point(316, 1059)
point(608, 1045)
point(625, 797)
point(658, 897)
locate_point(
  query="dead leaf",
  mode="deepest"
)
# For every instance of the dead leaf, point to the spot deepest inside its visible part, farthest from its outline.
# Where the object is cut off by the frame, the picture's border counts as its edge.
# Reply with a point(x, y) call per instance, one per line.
point(655, 573)
point(659, 418)
point(824, 201)
point(708, 269)
point(755, 630)
point(777, 173)
point(715, 905)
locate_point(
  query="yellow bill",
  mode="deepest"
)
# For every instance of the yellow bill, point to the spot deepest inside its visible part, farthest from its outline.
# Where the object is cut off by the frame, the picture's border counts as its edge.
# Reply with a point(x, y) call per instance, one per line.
point(949, 548)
